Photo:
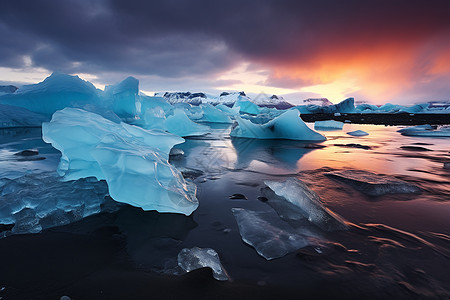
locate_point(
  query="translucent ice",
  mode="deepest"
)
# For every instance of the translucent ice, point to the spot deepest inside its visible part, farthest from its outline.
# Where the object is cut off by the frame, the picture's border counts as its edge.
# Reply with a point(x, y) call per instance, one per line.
point(147, 102)
point(289, 126)
point(122, 97)
point(13, 116)
point(270, 236)
point(196, 258)
point(181, 125)
point(213, 115)
point(54, 93)
point(426, 131)
point(296, 192)
point(38, 201)
point(374, 184)
point(246, 107)
point(357, 133)
point(132, 160)
point(331, 124)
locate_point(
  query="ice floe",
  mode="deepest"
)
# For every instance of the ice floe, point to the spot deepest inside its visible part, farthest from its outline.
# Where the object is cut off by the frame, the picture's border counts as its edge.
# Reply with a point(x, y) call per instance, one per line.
point(190, 259)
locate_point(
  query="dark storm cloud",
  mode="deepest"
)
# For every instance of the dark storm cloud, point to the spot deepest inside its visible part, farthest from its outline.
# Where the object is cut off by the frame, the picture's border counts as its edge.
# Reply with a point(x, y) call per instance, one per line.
point(176, 38)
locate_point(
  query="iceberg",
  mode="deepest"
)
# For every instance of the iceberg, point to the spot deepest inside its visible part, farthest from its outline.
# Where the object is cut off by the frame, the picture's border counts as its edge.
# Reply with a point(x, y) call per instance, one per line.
point(329, 124)
point(147, 102)
point(271, 237)
point(196, 258)
point(35, 202)
point(426, 131)
point(13, 116)
point(296, 192)
point(122, 97)
point(357, 133)
point(246, 107)
point(132, 160)
point(54, 93)
point(374, 184)
point(213, 115)
point(288, 125)
point(181, 125)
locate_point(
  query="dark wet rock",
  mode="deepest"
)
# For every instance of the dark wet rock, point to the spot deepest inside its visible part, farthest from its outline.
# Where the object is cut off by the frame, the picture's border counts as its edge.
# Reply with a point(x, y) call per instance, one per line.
point(359, 146)
point(190, 173)
point(28, 152)
point(447, 165)
point(314, 146)
point(374, 184)
point(176, 153)
point(237, 197)
point(262, 198)
point(414, 148)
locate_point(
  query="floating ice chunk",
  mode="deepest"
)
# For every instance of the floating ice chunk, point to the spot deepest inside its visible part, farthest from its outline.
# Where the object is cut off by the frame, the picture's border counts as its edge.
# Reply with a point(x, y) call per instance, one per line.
point(416, 128)
point(38, 201)
point(132, 160)
point(374, 184)
point(214, 115)
point(426, 131)
point(345, 106)
point(13, 116)
point(271, 237)
point(296, 192)
point(122, 97)
point(331, 124)
point(54, 93)
point(196, 258)
point(357, 133)
point(289, 126)
point(246, 107)
point(181, 125)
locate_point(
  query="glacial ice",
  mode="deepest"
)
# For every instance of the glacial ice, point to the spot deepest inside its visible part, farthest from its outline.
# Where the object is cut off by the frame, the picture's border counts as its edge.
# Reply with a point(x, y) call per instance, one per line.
point(357, 133)
point(122, 97)
point(289, 125)
point(426, 131)
point(296, 192)
point(213, 115)
point(132, 160)
point(329, 124)
point(270, 236)
point(374, 184)
point(13, 116)
point(54, 93)
point(147, 102)
point(181, 125)
point(246, 107)
point(35, 202)
point(196, 258)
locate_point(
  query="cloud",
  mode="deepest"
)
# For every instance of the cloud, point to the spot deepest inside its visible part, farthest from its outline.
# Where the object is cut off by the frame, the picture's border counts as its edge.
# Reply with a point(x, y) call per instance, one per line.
point(388, 47)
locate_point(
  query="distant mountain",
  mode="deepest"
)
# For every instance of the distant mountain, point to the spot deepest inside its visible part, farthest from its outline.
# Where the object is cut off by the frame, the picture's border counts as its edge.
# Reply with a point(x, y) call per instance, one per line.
point(317, 101)
point(273, 101)
point(225, 98)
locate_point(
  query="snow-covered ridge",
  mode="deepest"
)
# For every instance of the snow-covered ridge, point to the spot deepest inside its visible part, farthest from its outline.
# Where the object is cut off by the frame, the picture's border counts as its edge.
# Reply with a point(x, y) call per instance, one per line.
point(225, 98)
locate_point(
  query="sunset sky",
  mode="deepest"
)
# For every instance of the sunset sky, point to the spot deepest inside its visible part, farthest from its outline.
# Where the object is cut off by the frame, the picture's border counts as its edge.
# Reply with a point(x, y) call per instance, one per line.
point(376, 51)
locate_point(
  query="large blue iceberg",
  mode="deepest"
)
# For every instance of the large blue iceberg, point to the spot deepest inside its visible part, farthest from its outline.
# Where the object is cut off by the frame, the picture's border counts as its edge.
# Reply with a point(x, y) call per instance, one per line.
point(289, 126)
point(132, 160)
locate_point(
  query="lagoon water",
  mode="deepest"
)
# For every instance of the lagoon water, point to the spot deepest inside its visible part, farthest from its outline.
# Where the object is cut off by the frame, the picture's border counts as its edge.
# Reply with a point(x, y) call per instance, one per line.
point(397, 245)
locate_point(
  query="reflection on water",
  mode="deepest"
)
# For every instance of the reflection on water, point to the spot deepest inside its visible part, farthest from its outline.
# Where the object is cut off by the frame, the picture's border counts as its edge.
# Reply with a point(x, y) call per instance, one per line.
point(397, 244)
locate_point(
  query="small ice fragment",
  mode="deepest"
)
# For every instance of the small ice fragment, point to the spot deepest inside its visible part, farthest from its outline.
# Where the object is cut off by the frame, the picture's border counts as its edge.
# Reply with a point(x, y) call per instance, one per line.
point(270, 236)
point(329, 124)
point(374, 184)
point(28, 152)
point(196, 258)
point(310, 206)
point(237, 196)
point(357, 133)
